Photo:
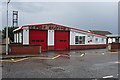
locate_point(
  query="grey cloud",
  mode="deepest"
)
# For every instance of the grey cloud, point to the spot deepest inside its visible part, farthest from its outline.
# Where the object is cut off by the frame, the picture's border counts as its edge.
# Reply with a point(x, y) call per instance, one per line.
point(29, 7)
point(90, 15)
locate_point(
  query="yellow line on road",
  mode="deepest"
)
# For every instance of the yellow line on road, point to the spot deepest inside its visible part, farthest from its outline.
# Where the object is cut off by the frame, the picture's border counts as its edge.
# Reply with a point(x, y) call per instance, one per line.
point(13, 60)
point(18, 60)
point(47, 57)
point(6, 61)
point(56, 56)
point(41, 57)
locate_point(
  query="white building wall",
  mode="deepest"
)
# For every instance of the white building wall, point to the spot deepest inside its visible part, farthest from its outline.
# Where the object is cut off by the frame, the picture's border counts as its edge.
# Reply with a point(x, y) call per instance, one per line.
point(113, 40)
point(87, 38)
point(72, 37)
point(105, 40)
point(25, 36)
point(98, 41)
point(109, 40)
point(90, 39)
point(50, 37)
point(20, 37)
point(15, 35)
point(119, 40)
point(101, 40)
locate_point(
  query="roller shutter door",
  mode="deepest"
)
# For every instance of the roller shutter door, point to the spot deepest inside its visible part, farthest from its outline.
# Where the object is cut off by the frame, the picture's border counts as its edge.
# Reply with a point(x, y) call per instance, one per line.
point(39, 37)
point(61, 40)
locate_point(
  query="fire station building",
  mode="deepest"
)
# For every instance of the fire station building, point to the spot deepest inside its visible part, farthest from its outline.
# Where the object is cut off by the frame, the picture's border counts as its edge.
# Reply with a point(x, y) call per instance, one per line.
point(58, 37)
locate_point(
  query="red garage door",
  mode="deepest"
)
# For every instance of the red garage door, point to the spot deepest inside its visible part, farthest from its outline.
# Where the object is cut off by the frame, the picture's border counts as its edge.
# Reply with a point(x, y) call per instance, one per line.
point(61, 40)
point(39, 37)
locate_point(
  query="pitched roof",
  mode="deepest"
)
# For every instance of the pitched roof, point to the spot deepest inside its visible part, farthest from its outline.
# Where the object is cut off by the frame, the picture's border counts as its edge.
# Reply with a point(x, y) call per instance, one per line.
point(101, 32)
point(117, 35)
point(40, 25)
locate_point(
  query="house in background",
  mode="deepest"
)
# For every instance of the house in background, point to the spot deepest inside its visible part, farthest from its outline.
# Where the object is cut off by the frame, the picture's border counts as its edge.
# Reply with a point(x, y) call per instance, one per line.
point(113, 39)
point(113, 42)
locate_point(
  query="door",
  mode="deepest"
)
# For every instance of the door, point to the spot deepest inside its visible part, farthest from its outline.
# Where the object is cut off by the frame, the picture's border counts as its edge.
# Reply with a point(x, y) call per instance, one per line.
point(61, 40)
point(39, 37)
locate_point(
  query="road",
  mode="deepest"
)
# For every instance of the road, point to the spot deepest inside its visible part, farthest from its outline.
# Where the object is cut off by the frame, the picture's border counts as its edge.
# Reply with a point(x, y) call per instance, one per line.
point(97, 63)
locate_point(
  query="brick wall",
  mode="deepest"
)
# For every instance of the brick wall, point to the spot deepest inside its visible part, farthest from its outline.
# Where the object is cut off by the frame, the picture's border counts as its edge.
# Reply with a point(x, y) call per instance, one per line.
point(24, 49)
point(97, 46)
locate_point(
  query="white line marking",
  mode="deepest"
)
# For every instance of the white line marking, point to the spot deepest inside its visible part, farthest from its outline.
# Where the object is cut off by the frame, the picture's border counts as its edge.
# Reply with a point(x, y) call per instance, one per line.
point(82, 55)
point(108, 77)
point(103, 53)
point(117, 62)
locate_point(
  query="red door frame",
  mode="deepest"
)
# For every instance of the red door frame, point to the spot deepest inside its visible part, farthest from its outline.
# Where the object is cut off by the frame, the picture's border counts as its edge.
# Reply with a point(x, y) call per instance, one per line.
point(46, 47)
point(68, 46)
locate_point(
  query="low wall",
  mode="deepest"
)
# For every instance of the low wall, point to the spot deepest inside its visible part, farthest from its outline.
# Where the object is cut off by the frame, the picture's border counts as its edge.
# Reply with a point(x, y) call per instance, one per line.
point(50, 48)
point(24, 49)
point(81, 47)
point(113, 46)
point(97, 46)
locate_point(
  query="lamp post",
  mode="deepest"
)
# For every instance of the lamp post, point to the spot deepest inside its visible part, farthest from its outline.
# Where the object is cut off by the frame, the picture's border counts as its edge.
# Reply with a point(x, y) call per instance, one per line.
point(7, 29)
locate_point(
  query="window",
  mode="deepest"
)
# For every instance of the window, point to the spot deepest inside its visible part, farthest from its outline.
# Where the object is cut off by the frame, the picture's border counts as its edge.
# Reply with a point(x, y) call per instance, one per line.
point(33, 40)
point(113, 39)
point(102, 40)
point(79, 39)
point(65, 40)
point(76, 39)
point(96, 39)
point(61, 40)
point(37, 40)
point(42, 40)
point(109, 40)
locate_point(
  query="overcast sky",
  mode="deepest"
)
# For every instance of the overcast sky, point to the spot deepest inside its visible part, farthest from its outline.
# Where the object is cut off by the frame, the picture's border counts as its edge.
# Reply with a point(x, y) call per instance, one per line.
point(95, 14)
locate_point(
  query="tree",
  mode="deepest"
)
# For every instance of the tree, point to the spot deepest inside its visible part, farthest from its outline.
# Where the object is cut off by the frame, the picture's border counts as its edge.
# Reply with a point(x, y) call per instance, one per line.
point(10, 33)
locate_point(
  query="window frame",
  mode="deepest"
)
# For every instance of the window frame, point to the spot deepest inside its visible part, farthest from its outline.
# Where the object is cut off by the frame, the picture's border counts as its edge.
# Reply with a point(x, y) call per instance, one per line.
point(79, 39)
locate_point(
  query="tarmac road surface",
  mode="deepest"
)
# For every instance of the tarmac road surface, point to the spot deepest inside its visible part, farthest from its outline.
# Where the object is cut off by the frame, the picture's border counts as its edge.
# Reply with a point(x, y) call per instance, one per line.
point(97, 63)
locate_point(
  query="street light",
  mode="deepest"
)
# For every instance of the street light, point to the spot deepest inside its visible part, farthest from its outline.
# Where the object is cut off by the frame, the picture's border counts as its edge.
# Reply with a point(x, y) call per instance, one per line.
point(7, 29)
